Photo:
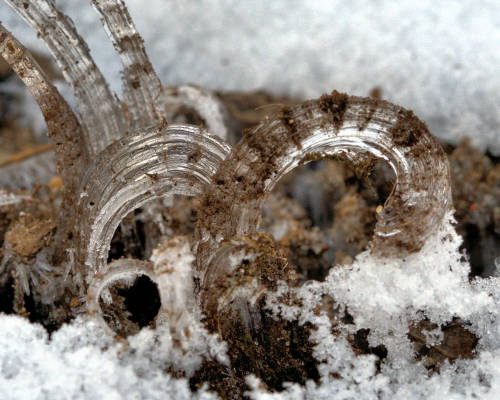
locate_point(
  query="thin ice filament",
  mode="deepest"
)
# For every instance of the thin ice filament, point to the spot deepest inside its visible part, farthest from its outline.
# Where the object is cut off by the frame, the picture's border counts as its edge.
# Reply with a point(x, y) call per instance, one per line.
point(100, 116)
point(141, 86)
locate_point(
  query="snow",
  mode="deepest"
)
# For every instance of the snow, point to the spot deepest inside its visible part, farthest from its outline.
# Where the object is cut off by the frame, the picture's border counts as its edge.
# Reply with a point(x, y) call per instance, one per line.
point(385, 296)
point(81, 361)
point(438, 58)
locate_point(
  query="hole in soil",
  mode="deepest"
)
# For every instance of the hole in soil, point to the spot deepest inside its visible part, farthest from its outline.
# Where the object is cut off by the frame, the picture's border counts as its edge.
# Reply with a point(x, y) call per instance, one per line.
point(324, 213)
point(472, 245)
point(7, 297)
point(142, 300)
point(133, 307)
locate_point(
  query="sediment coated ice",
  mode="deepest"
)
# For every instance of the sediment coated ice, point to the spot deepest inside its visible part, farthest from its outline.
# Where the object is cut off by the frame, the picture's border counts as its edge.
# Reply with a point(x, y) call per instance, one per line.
point(439, 59)
point(335, 125)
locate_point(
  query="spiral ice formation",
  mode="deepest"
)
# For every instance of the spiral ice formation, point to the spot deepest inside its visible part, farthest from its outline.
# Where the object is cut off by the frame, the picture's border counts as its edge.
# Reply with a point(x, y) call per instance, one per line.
point(170, 268)
point(162, 161)
point(335, 125)
point(135, 161)
point(125, 159)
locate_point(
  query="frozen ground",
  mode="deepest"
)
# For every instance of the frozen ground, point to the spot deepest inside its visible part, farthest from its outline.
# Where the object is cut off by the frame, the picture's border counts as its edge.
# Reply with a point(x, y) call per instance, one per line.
point(439, 58)
point(82, 361)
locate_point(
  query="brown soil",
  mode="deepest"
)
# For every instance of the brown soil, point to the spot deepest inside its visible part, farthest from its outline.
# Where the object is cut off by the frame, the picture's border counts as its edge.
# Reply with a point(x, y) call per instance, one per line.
point(457, 342)
point(30, 234)
point(272, 349)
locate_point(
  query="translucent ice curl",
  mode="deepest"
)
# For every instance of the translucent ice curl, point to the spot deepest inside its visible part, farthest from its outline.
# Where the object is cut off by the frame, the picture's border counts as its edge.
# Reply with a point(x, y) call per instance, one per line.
point(335, 125)
point(163, 161)
point(119, 270)
point(109, 127)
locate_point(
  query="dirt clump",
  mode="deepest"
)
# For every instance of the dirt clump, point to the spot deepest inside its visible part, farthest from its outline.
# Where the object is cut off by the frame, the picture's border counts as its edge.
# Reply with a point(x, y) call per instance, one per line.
point(274, 350)
point(450, 342)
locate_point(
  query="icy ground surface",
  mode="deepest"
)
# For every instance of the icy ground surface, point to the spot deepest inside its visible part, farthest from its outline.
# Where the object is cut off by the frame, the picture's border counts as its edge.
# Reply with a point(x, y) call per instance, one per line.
point(82, 361)
point(440, 59)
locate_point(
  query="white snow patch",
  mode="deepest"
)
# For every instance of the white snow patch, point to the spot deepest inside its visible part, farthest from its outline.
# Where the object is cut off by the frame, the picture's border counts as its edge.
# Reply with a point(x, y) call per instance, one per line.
point(386, 297)
point(82, 361)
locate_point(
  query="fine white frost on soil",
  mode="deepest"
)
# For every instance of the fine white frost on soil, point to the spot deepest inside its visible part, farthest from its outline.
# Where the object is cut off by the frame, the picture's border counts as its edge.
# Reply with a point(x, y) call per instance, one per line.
point(83, 361)
point(438, 58)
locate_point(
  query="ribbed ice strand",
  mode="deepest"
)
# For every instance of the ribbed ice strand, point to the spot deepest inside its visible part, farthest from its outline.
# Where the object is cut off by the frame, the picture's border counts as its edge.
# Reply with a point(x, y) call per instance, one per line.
point(136, 169)
point(335, 125)
point(99, 113)
point(141, 86)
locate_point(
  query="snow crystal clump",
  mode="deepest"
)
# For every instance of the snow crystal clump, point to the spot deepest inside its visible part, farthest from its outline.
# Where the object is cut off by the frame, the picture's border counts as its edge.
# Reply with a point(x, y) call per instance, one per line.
point(182, 338)
point(386, 297)
point(82, 361)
